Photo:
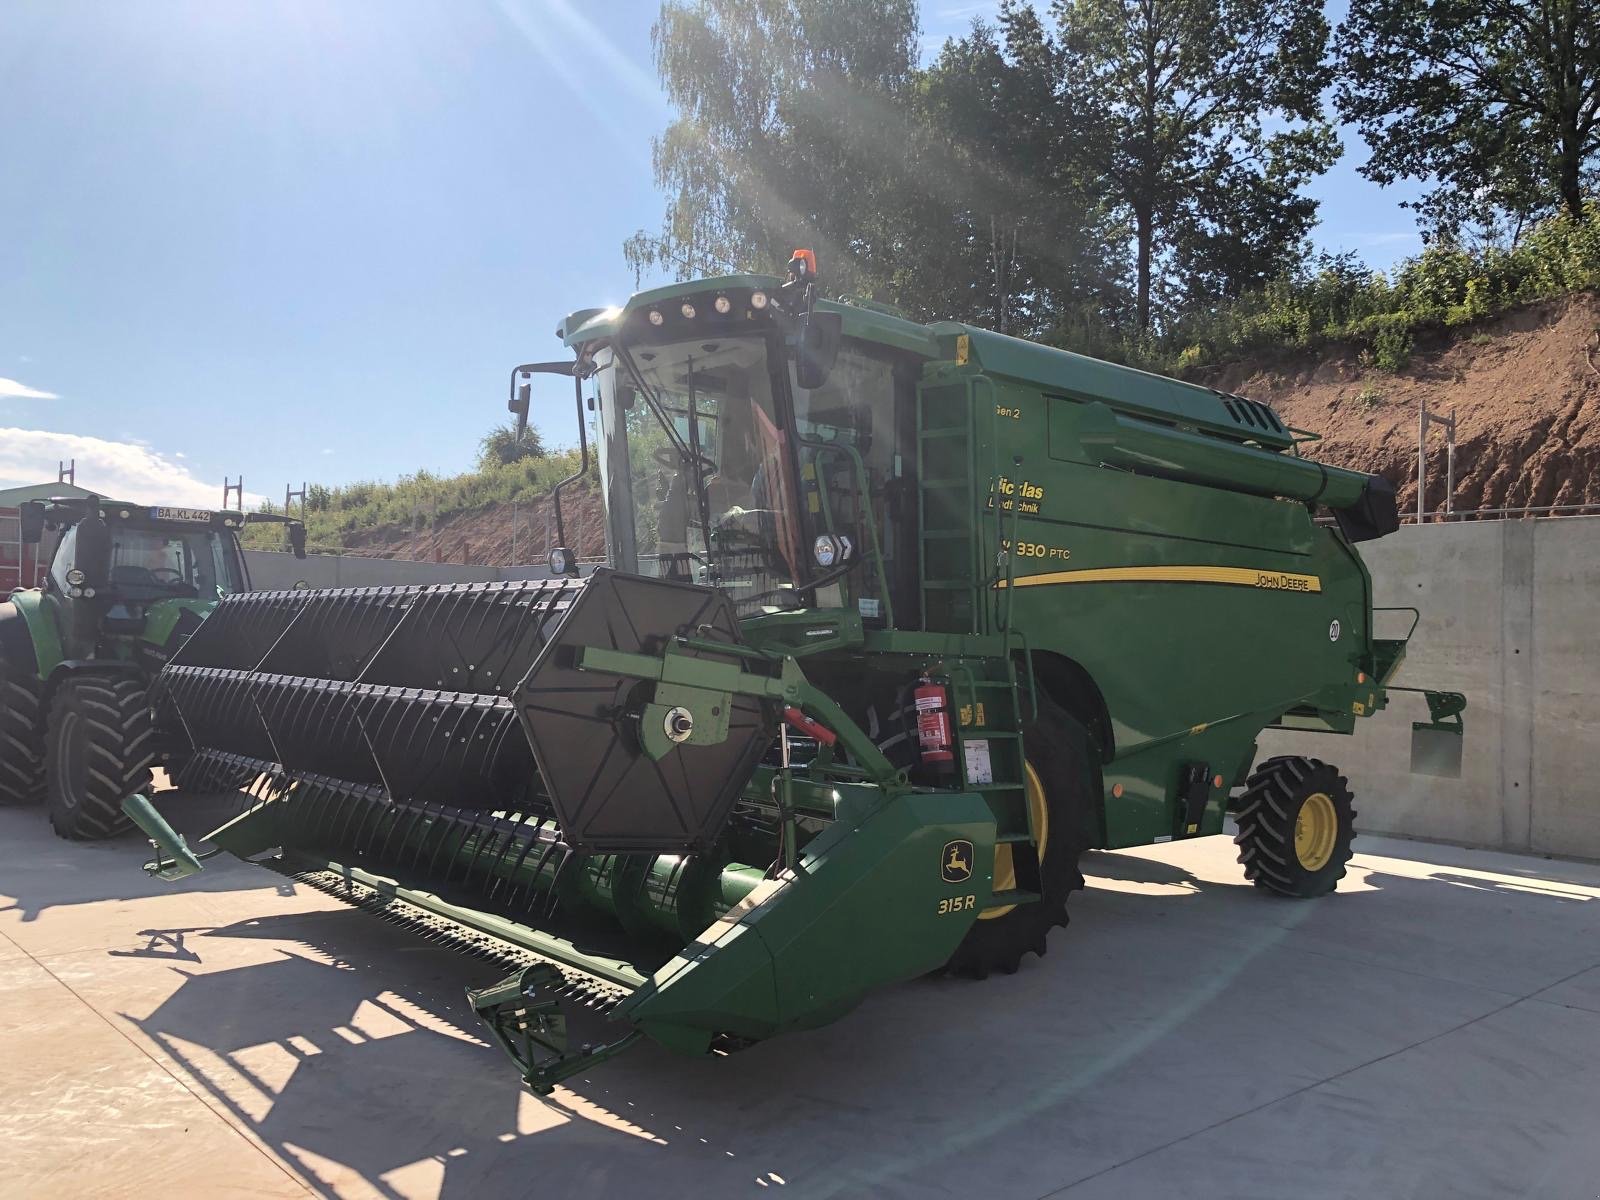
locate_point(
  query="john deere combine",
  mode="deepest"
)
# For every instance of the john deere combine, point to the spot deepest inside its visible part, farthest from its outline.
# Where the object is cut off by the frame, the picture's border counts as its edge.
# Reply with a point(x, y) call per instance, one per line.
point(127, 583)
point(899, 619)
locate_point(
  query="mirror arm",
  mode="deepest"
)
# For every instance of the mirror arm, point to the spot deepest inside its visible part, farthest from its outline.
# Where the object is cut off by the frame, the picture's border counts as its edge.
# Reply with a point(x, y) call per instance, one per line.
point(583, 463)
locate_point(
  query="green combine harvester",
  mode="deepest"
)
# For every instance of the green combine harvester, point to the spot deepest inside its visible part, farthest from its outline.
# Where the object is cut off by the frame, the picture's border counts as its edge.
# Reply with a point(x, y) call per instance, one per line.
point(898, 620)
point(127, 584)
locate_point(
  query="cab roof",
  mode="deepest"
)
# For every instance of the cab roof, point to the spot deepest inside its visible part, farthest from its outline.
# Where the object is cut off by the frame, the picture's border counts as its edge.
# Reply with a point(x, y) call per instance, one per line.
point(1055, 372)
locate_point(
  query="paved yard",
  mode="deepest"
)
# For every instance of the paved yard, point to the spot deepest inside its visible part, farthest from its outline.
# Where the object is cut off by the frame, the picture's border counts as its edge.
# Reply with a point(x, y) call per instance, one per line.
point(1434, 1030)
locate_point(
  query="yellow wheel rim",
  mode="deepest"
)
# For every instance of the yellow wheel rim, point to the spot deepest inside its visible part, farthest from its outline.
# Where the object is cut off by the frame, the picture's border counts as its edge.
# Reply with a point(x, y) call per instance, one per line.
point(1005, 867)
point(1315, 831)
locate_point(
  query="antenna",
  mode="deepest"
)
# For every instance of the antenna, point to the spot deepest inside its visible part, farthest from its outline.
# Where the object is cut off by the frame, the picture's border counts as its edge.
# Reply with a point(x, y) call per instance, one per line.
point(233, 489)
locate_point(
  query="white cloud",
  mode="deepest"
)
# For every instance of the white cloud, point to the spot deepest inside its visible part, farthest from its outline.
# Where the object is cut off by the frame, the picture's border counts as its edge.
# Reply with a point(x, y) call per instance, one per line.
point(327, 451)
point(10, 389)
point(120, 470)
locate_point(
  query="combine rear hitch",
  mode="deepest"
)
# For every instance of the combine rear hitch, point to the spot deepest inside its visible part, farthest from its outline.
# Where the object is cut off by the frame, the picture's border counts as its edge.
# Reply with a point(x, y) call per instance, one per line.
point(1436, 743)
point(525, 1019)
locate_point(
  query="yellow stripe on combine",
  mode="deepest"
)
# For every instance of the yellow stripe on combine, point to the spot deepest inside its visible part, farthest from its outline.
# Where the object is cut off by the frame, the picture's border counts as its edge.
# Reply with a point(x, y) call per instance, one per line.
point(1277, 581)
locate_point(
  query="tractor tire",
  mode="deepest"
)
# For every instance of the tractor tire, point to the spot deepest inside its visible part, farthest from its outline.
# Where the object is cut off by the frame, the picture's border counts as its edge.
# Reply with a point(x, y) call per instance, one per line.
point(21, 747)
point(1296, 823)
point(98, 751)
point(1000, 939)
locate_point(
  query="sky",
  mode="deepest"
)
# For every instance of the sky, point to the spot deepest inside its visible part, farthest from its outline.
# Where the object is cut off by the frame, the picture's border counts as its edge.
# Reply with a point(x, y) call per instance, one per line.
point(307, 240)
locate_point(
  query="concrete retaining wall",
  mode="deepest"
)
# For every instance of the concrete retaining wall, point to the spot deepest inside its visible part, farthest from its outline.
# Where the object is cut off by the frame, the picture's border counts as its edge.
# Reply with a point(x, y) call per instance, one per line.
point(1511, 617)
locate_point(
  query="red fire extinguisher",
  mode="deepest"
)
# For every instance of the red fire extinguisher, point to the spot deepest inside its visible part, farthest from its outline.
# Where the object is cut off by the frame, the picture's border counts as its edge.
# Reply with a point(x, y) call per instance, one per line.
point(933, 726)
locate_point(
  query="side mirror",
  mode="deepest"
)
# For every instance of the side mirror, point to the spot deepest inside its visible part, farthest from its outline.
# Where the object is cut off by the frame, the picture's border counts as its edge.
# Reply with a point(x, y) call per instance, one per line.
point(31, 519)
point(820, 334)
point(297, 539)
point(520, 398)
point(522, 387)
point(92, 552)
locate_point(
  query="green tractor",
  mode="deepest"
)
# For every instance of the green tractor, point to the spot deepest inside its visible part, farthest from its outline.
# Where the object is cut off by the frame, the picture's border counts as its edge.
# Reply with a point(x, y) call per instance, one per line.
point(899, 619)
point(127, 584)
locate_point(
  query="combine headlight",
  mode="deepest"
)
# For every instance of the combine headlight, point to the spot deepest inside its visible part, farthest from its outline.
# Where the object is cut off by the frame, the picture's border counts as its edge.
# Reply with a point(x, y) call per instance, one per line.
point(758, 300)
point(656, 318)
point(723, 305)
point(76, 577)
point(687, 310)
point(560, 560)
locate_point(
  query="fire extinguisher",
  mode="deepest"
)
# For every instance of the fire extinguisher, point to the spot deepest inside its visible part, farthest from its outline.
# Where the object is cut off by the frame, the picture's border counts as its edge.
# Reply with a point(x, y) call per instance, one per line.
point(933, 726)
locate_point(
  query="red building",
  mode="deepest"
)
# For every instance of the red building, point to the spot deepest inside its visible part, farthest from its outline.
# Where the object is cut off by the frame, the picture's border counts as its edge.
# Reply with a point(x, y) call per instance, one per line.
point(20, 565)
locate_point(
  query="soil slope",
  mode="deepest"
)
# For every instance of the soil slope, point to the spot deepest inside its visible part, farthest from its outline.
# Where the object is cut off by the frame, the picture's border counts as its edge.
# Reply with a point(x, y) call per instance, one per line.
point(1525, 388)
point(484, 535)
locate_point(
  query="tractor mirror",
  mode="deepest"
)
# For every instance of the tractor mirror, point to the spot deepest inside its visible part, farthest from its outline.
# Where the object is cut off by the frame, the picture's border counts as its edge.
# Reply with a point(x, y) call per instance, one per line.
point(297, 539)
point(820, 334)
point(92, 550)
point(31, 519)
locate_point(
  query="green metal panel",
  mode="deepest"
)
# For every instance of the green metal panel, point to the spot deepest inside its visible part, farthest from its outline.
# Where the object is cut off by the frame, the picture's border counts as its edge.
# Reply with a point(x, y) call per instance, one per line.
point(40, 618)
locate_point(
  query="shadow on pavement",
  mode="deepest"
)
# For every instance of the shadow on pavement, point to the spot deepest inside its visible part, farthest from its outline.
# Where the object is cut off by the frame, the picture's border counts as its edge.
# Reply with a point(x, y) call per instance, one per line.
point(39, 871)
point(355, 1057)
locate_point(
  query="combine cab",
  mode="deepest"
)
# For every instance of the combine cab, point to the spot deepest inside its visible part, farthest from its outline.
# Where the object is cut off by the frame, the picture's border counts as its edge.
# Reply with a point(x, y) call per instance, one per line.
point(899, 619)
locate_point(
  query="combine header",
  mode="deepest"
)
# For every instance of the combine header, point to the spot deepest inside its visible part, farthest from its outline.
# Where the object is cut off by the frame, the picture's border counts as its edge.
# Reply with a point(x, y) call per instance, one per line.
point(899, 620)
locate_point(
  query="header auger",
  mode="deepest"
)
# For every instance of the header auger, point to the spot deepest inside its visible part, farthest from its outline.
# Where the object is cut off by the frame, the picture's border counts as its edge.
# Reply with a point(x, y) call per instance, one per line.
point(899, 619)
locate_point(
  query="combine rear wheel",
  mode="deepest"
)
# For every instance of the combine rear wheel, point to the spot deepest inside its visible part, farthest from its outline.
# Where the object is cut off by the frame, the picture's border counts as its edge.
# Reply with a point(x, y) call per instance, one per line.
point(1060, 804)
point(98, 752)
point(1296, 823)
point(21, 763)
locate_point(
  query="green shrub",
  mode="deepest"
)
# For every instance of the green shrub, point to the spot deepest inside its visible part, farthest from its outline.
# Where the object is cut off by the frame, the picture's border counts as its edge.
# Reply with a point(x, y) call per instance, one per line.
point(1336, 298)
point(1391, 348)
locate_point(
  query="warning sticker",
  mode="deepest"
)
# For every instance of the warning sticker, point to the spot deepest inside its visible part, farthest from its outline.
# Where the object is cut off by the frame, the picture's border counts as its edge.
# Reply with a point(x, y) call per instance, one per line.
point(979, 769)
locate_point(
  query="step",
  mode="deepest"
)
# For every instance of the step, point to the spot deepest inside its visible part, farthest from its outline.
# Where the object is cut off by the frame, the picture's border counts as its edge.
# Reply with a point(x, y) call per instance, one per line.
point(946, 431)
point(1013, 838)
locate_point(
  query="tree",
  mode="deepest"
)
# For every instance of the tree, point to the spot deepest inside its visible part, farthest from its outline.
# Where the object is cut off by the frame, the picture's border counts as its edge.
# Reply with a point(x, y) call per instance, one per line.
point(1004, 226)
point(792, 118)
point(1206, 121)
point(501, 446)
point(1496, 100)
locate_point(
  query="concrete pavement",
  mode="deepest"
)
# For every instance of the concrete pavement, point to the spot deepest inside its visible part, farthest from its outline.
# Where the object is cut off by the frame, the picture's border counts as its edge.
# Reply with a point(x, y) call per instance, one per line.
point(1433, 1030)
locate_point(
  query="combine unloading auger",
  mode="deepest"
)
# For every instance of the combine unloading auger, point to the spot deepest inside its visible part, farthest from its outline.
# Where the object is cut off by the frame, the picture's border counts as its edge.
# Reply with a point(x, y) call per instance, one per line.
point(548, 774)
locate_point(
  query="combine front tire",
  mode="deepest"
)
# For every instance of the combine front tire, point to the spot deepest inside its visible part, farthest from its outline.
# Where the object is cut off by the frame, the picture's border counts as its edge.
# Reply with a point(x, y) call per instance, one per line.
point(1055, 788)
point(21, 764)
point(1296, 823)
point(98, 752)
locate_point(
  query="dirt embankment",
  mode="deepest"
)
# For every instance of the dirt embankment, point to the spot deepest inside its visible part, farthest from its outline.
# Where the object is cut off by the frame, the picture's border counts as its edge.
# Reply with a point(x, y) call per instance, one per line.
point(485, 535)
point(1525, 388)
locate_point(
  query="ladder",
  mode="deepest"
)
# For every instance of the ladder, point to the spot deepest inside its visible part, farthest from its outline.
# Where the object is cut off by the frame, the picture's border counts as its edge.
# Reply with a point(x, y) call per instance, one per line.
point(950, 568)
point(954, 589)
point(985, 696)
